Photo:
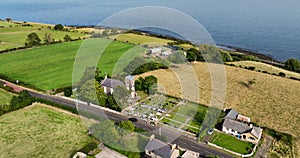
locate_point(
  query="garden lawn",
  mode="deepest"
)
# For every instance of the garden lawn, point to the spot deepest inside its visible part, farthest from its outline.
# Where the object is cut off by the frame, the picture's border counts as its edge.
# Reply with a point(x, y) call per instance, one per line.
point(231, 143)
point(40, 131)
point(50, 67)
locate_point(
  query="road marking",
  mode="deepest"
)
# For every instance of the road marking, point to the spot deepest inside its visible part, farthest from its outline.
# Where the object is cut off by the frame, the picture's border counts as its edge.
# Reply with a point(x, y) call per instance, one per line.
point(209, 152)
point(194, 147)
point(182, 142)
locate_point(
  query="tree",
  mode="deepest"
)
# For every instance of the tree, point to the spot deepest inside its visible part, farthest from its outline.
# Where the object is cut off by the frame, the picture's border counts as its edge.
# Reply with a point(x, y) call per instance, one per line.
point(226, 56)
point(8, 19)
point(128, 125)
point(58, 27)
point(48, 38)
point(90, 73)
point(112, 104)
point(120, 95)
point(138, 84)
point(18, 102)
point(32, 40)
point(87, 91)
point(67, 38)
point(106, 132)
point(282, 74)
point(102, 97)
point(292, 65)
point(210, 53)
point(177, 58)
point(150, 84)
point(68, 91)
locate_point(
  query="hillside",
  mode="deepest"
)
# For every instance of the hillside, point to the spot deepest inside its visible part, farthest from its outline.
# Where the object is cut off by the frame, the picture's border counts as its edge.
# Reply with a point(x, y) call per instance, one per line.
point(13, 35)
point(272, 101)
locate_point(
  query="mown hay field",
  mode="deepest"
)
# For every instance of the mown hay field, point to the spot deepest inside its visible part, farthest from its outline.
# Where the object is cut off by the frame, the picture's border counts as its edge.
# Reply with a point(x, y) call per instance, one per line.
point(40, 131)
point(272, 101)
point(265, 67)
point(140, 39)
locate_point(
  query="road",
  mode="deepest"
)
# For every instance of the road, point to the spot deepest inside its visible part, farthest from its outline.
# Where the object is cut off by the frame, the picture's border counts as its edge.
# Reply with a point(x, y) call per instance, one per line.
point(166, 132)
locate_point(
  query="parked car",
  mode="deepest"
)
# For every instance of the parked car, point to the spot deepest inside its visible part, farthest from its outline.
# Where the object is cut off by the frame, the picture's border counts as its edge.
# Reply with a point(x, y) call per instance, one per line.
point(210, 131)
point(132, 119)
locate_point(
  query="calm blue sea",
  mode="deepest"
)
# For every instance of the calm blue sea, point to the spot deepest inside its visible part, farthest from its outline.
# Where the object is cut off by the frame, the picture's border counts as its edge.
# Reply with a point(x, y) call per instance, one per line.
point(267, 26)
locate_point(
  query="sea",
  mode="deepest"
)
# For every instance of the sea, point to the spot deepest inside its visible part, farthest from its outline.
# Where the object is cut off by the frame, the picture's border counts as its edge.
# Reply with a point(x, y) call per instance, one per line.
point(270, 27)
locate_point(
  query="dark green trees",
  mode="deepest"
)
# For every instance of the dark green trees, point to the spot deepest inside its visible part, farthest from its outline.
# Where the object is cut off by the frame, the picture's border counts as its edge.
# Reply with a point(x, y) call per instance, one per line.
point(147, 84)
point(59, 27)
point(292, 65)
point(32, 40)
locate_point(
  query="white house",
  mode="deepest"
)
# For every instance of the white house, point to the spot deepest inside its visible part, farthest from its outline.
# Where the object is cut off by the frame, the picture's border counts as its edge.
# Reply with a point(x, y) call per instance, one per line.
point(246, 132)
point(109, 84)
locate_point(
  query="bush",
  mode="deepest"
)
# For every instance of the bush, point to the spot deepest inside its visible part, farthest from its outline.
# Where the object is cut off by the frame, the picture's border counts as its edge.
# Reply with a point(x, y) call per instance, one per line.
point(251, 68)
point(284, 137)
point(282, 74)
point(17, 102)
point(89, 147)
point(58, 27)
point(62, 89)
point(68, 91)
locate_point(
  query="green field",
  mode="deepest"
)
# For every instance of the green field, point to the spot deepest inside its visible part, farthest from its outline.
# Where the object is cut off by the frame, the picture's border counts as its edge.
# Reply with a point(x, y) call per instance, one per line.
point(231, 143)
point(15, 36)
point(51, 66)
point(7, 24)
point(189, 116)
point(5, 97)
point(140, 39)
point(39, 131)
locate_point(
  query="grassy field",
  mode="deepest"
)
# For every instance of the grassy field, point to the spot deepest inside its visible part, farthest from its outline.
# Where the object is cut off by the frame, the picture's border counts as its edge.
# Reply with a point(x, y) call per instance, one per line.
point(39, 131)
point(5, 97)
point(51, 66)
point(265, 67)
point(188, 116)
point(272, 101)
point(231, 143)
point(140, 39)
point(15, 36)
point(7, 24)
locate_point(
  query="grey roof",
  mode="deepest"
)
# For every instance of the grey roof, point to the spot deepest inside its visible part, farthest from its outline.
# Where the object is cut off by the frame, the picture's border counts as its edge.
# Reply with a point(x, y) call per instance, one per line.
point(242, 127)
point(231, 114)
point(112, 83)
point(159, 148)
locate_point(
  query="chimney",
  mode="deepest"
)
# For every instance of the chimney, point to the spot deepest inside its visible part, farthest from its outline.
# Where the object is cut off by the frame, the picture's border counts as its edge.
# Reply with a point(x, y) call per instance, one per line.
point(105, 75)
point(251, 126)
point(152, 137)
point(173, 146)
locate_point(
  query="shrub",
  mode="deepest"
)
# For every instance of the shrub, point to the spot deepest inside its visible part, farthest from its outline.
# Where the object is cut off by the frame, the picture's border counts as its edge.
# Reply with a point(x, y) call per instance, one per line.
point(251, 68)
point(58, 27)
point(68, 91)
point(89, 147)
point(282, 74)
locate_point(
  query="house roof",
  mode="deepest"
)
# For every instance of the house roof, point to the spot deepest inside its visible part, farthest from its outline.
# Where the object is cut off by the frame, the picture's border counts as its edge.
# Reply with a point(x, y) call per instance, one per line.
point(159, 148)
point(112, 83)
point(242, 127)
point(231, 114)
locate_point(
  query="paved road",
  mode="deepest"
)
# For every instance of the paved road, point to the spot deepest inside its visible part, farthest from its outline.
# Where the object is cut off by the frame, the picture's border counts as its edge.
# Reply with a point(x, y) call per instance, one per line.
point(165, 131)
